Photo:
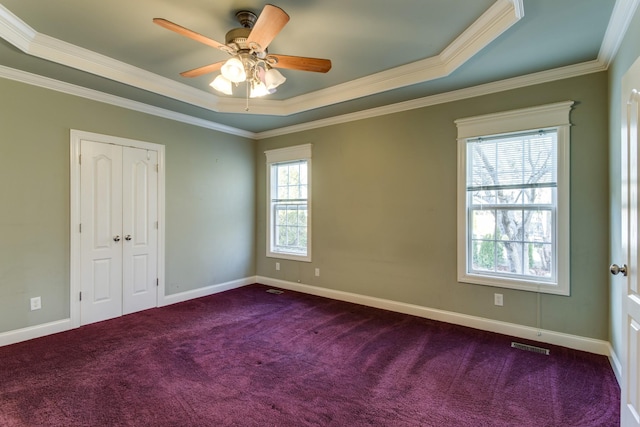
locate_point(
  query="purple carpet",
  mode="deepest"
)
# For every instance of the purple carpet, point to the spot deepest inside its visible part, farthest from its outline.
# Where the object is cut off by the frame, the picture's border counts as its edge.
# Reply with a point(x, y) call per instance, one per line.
point(251, 358)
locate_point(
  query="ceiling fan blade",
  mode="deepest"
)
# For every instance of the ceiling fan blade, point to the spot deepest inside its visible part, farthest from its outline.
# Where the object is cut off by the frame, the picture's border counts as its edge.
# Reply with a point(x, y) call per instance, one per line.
point(202, 70)
point(188, 33)
point(270, 22)
point(317, 65)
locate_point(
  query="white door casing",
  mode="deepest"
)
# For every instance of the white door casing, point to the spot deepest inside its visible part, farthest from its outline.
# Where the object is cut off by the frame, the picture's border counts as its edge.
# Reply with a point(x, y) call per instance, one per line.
point(129, 276)
point(630, 289)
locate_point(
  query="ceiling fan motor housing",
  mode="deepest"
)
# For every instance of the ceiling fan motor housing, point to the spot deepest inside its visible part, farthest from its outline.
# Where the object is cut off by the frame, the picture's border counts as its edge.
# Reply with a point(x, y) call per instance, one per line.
point(238, 36)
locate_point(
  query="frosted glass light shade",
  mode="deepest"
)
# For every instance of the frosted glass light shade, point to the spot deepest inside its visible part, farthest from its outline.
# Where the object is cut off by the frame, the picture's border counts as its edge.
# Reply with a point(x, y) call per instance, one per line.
point(273, 79)
point(258, 90)
point(233, 70)
point(221, 84)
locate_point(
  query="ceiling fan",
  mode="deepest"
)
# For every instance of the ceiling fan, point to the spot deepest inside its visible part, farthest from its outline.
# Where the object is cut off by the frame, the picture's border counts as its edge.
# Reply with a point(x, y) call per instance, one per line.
point(250, 61)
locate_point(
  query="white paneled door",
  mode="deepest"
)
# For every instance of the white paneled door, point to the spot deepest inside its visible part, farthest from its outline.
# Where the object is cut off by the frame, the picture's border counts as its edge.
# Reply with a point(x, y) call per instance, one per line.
point(119, 230)
point(630, 292)
point(139, 228)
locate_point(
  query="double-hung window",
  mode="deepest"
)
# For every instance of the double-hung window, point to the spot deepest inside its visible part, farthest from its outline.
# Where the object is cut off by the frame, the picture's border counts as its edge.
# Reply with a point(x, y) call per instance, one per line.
point(513, 199)
point(289, 203)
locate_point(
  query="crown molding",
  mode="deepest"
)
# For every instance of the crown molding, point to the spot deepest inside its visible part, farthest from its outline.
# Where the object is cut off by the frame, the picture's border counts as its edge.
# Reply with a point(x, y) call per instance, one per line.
point(457, 95)
point(623, 12)
point(14, 30)
point(498, 18)
point(94, 95)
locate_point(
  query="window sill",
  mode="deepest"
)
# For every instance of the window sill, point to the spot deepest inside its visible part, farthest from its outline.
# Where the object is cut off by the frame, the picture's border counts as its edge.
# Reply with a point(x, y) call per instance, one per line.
point(522, 285)
point(291, 257)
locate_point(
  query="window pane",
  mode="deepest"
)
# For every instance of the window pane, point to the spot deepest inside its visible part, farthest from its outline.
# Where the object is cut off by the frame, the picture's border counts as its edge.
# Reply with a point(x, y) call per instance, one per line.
point(510, 225)
point(294, 174)
point(541, 196)
point(483, 197)
point(538, 226)
point(483, 255)
point(509, 197)
point(513, 160)
point(283, 192)
point(509, 257)
point(302, 216)
point(281, 215)
point(303, 173)
point(539, 258)
point(483, 224)
point(283, 175)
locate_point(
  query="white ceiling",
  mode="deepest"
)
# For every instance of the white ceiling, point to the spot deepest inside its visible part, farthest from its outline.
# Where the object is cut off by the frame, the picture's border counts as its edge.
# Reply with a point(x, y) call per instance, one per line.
point(382, 52)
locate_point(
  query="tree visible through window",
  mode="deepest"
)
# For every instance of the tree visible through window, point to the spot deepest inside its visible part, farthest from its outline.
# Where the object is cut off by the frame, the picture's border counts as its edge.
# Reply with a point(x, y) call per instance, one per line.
point(511, 190)
point(290, 207)
point(513, 199)
point(289, 203)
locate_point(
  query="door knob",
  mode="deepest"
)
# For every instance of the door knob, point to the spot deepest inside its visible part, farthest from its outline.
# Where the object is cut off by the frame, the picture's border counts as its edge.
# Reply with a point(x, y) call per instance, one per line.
point(616, 269)
point(116, 239)
point(127, 237)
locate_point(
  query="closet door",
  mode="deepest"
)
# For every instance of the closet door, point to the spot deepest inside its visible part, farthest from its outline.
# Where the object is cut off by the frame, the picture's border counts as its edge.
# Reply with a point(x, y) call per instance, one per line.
point(101, 232)
point(140, 229)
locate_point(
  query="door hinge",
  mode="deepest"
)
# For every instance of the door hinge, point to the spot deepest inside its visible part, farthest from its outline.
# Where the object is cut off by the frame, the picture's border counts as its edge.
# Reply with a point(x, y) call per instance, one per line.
point(156, 225)
point(80, 295)
point(157, 282)
point(157, 167)
point(79, 159)
point(80, 227)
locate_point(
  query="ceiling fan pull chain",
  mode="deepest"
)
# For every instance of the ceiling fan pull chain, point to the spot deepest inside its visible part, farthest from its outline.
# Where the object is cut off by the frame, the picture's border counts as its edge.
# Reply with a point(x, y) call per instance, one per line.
point(247, 107)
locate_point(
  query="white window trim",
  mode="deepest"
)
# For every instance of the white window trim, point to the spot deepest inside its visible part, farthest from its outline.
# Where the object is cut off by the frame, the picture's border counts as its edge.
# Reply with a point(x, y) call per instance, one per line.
point(541, 117)
point(298, 152)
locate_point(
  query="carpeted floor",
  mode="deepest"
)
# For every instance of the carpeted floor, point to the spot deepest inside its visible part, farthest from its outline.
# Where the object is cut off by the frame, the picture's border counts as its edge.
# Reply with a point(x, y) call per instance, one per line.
point(251, 358)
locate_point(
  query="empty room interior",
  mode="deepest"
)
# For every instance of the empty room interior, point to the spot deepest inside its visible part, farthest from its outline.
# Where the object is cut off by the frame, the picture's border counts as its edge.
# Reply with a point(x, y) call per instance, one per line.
point(460, 172)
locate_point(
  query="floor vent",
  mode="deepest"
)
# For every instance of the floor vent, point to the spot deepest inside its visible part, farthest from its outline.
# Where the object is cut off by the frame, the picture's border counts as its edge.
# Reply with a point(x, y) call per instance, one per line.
point(531, 348)
point(275, 291)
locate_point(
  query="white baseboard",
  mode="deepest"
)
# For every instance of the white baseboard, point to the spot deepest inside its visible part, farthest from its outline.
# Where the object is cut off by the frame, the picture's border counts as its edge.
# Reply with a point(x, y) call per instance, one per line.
point(206, 291)
point(37, 331)
point(557, 338)
point(526, 332)
point(615, 364)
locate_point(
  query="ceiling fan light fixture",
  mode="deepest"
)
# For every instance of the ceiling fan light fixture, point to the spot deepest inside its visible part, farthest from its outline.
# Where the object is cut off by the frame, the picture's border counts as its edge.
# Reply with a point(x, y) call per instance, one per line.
point(272, 79)
point(258, 89)
point(233, 70)
point(222, 84)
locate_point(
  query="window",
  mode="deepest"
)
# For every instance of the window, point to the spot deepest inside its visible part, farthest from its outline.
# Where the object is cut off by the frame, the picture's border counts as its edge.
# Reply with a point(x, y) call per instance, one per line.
point(513, 199)
point(289, 203)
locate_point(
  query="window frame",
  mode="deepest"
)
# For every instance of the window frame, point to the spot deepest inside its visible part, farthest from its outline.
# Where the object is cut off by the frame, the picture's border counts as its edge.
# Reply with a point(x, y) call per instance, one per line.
point(550, 116)
point(279, 156)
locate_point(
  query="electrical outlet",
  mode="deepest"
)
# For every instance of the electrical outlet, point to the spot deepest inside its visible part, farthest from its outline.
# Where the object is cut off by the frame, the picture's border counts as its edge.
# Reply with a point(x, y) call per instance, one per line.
point(317, 272)
point(498, 300)
point(277, 266)
point(36, 303)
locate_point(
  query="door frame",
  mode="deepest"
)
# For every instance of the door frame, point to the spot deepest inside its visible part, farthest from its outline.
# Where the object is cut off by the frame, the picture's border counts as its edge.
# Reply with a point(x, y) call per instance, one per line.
point(76, 136)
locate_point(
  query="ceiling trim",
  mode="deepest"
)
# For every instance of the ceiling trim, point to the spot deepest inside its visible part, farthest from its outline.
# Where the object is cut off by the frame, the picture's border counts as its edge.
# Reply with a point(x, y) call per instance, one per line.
point(94, 95)
point(498, 18)
point(623, 12)
point(457, 95)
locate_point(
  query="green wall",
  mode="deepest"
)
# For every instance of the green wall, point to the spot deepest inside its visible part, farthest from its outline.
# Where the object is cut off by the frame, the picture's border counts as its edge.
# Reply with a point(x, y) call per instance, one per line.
point(384, 210)
point(210, 187)
point(628, 52)
point(384, 205)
